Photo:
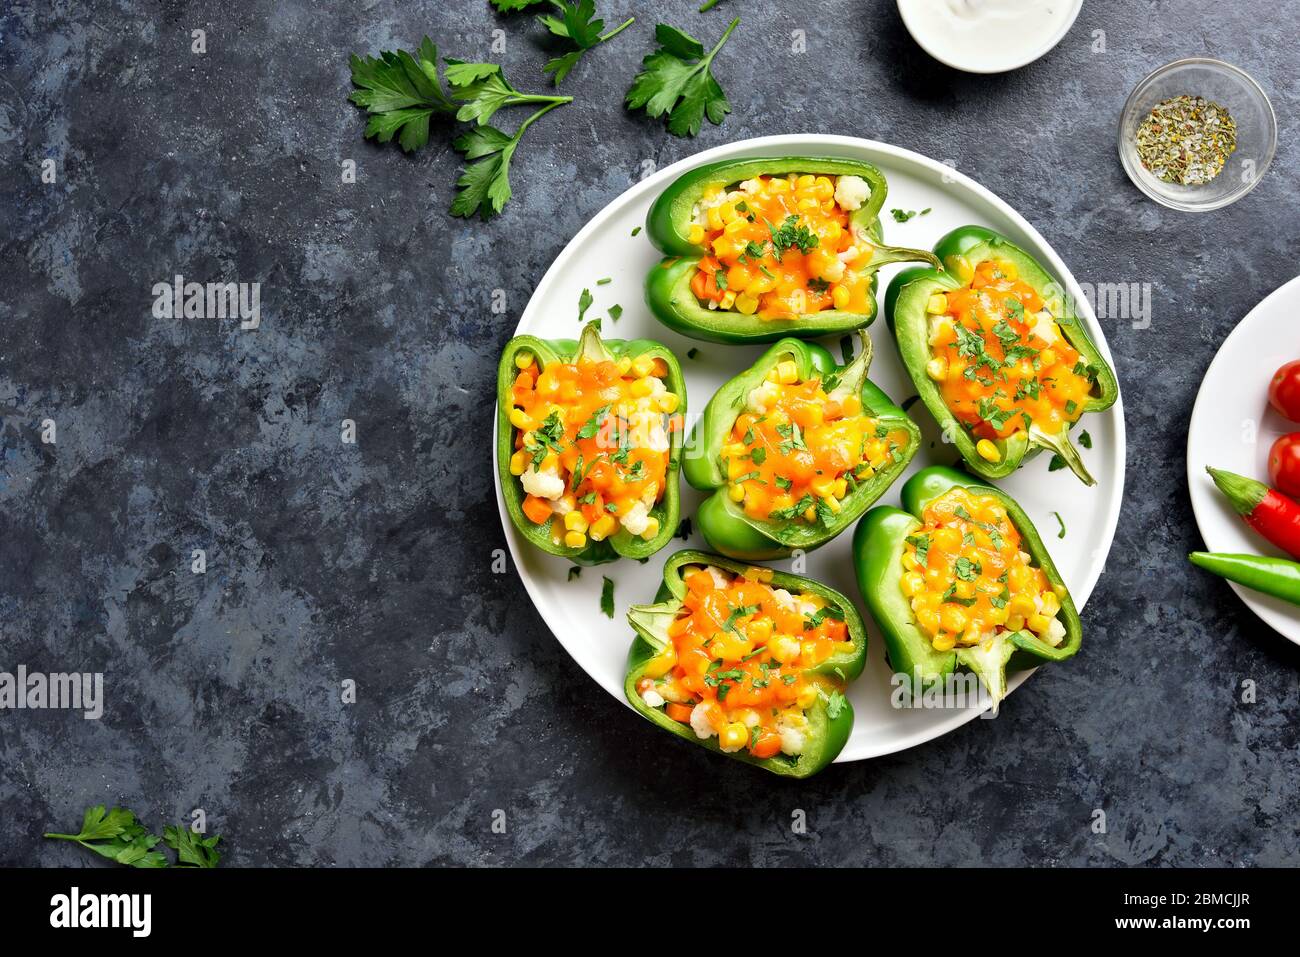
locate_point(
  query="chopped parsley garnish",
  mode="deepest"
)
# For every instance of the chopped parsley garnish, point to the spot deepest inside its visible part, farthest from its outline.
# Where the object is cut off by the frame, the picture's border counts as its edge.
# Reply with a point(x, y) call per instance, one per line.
point(607, 596)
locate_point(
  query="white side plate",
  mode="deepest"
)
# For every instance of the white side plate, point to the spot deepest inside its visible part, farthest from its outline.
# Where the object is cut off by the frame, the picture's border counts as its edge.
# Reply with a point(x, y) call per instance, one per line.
point(1233, 427)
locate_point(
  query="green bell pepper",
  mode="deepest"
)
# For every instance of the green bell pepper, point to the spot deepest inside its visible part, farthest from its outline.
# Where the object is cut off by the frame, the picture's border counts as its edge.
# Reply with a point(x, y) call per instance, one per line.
point(878, 548)
point(668, 284)
point(905, 309)
point(830, 717)
point(590, 345)
point(724, 523)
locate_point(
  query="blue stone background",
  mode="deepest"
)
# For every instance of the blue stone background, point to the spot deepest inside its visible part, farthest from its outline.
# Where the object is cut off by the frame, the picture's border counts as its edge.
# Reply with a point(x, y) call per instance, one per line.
point(372, 562)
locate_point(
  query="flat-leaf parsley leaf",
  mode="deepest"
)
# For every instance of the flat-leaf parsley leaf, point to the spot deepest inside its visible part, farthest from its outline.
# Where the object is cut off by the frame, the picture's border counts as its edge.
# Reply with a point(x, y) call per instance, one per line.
point(676, 79)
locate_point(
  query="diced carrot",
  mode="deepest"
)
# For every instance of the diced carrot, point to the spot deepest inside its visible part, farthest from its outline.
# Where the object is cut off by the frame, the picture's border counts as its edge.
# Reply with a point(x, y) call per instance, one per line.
point(682, 713)
point(768, 745)
point(537, 509)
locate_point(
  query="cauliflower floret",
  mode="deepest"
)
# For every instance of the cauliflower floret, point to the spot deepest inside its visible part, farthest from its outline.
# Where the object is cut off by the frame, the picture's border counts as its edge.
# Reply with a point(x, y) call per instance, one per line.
point(719, 579)
point(669, 691)
point(700, 722)
point(547, 485)
point(791, 728)
point(751, 186)
point(636, 519)
point(652, 698)
point(1045, 327)
point(1055, 633)
point(783, 597)
point(650, 494)
point(561, 507)
point(851, 192)
point(761, 397)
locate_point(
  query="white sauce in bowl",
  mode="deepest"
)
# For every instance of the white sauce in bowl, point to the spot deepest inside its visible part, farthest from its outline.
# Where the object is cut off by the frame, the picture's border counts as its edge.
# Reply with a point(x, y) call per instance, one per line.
point(988, 36)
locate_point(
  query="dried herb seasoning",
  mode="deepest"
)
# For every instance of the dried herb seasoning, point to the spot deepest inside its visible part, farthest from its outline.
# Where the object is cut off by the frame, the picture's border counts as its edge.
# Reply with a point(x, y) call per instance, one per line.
point(1186, 140)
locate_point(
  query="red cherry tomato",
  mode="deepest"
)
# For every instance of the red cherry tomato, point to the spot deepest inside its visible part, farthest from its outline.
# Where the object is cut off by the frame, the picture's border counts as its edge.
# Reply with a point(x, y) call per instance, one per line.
point(1284, 390)
point(1284, 464)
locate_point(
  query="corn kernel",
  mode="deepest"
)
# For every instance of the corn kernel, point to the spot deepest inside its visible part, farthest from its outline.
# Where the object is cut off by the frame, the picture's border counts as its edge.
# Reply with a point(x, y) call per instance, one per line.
point(823, 485)
point(714, 217)
point(910, 562)
point(640, 388)
point(840, 297)
point(784, 648)
point(696, 235)
point(1021, 605)
point(851, 405)
point(519, 463)
point(810, 514)
point(521, 420)
point(762, 284)
point(988, 450)
point(1038, 623)
point(1051, 604)
point(1015, 622)
point(662, 663)
point(952, 619)
point(806, 698)
point(523, 359)
point(736, 493)
point(912, 584)
point(575, 521)
point(728, 213)
point(928, 619)
point(841, 488)
point(642, 366)
point(937, 368)
point(624, 366)
point(733, 737)
point(734, 226)
point(668, 402)
point(575, 539)
point(1048, 358)
point(728, 300)
point(651, 528)
point(937, 304)
point(787, 372)
point(1008, 269)
point(943, 642)
point(602, 528)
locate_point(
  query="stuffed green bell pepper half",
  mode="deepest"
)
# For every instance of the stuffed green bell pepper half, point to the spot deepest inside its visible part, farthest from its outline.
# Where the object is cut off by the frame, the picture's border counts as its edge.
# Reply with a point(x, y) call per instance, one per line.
point(769, 247)
point(747, 661)
point(589, 439)
point(960, 578)
point(795, 449)
point(997, 352)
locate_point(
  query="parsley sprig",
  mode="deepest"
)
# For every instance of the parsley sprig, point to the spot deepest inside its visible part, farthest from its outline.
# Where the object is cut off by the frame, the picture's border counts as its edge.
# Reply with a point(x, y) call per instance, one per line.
point(576, 22)
point(677, 79)
point(402, 91)
point(117, 835)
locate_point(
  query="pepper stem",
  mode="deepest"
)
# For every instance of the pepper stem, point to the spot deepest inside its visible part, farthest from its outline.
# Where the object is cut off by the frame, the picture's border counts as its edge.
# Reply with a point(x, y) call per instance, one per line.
point(1245, 494)
point(653, 621)
point(882, 255)
point(590, 345)
point(989, 662)
point(1062, 446)
point(851, 377)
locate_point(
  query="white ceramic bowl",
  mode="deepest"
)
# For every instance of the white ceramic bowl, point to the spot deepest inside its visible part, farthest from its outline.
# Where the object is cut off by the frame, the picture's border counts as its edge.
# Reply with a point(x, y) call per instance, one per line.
point(923, 31)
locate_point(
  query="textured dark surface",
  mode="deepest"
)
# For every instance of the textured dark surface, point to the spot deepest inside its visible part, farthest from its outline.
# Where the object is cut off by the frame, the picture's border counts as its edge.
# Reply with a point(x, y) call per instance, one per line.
point(373, 561)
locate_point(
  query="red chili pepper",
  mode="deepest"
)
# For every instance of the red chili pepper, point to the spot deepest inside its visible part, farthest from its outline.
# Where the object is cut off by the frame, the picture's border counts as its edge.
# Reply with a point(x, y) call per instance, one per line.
point(1268, 512)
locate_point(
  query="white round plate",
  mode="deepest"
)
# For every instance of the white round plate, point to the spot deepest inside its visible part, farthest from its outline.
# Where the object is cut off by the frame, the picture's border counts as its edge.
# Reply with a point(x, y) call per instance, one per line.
point(606, 248)
point(1233, 427)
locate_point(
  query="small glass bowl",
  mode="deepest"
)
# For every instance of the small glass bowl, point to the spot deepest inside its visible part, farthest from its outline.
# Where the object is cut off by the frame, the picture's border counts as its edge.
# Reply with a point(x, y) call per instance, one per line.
point(1220, 83)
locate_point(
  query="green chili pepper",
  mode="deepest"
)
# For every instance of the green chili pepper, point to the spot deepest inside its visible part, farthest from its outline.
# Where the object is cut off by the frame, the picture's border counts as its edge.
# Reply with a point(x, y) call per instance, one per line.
point(724, 523)
point(668, 285)
point(1272, 576)
point(878, 548)
point(905, 308)
point(667, 510)
point(830, 717)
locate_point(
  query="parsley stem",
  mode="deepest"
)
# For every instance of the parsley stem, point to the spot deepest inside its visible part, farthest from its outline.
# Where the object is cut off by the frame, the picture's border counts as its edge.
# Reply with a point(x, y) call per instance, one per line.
point(554, 101)
point(617, 30)
point(725, 33)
